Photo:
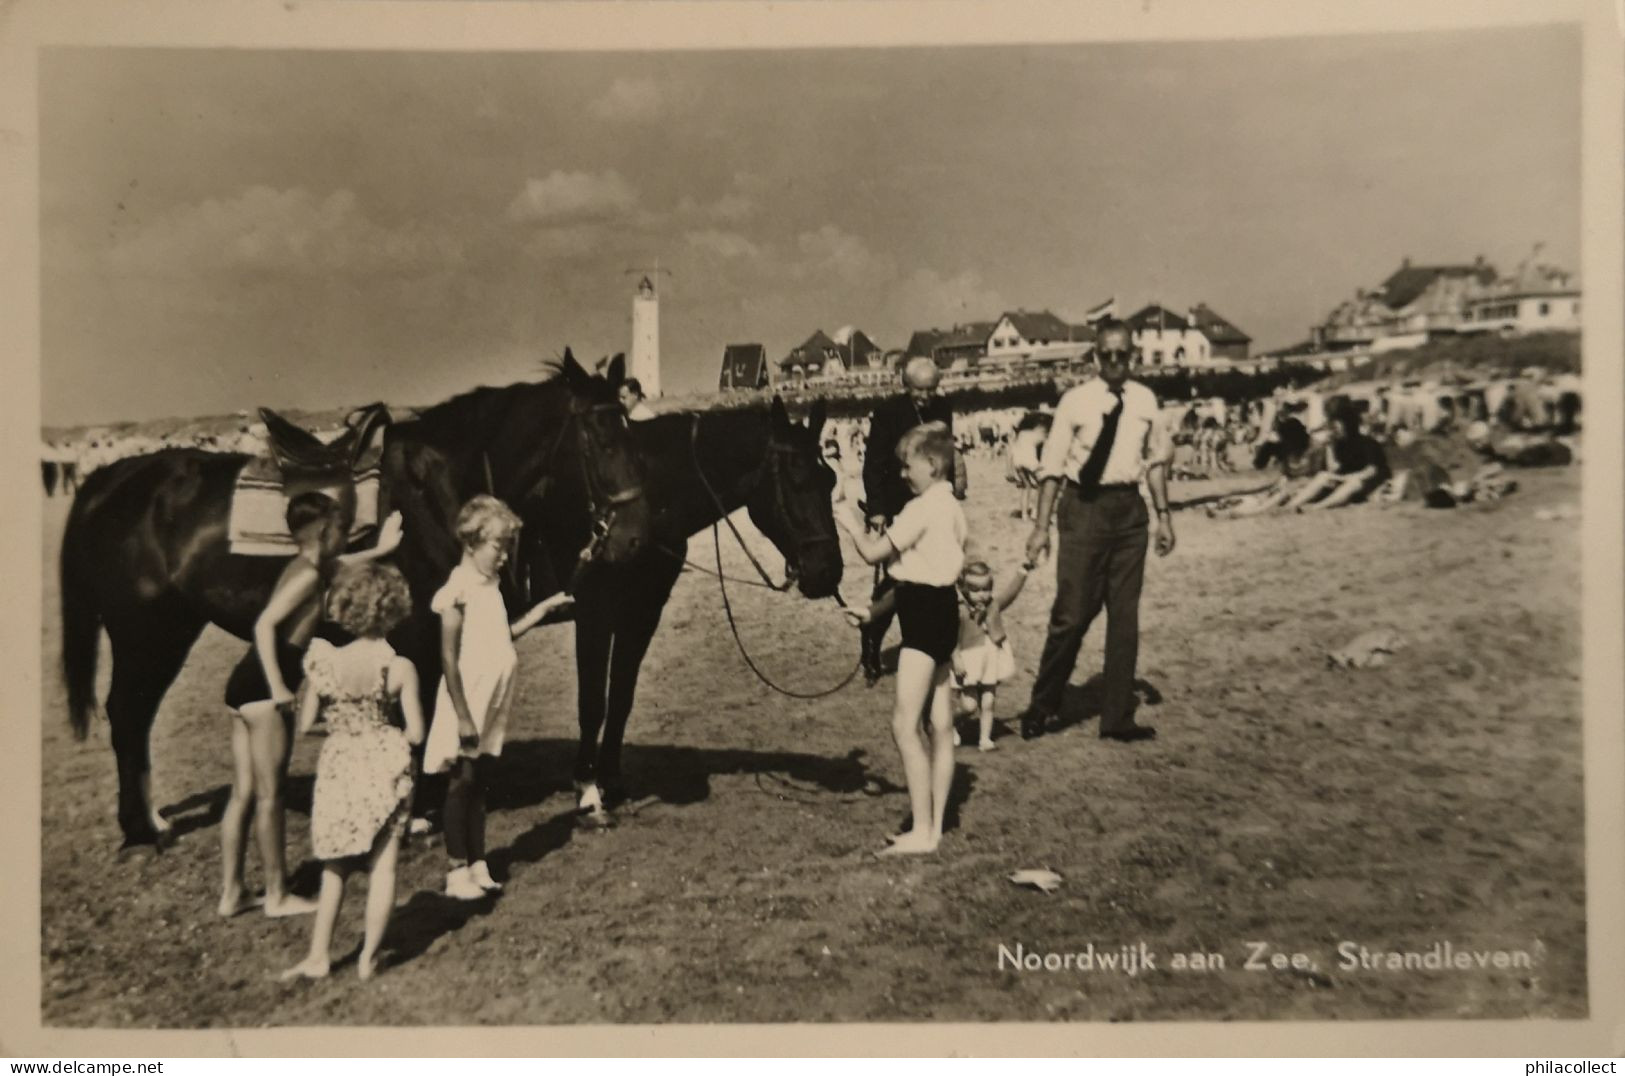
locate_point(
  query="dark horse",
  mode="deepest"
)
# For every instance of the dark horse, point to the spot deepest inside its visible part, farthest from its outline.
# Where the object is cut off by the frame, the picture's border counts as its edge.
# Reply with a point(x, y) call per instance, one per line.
point(700, 466)
point(145, 553)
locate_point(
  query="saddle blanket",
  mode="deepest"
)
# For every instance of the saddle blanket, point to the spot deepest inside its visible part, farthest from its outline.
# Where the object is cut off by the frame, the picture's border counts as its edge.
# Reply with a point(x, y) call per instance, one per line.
point(259, 506)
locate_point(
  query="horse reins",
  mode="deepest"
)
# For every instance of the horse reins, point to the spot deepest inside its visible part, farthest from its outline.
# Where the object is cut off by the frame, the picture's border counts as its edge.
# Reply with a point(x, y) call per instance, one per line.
point(601, 507)
point(767, 581)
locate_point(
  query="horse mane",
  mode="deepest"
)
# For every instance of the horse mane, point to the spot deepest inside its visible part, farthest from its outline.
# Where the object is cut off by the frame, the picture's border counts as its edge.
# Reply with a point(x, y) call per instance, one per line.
point(480, 408)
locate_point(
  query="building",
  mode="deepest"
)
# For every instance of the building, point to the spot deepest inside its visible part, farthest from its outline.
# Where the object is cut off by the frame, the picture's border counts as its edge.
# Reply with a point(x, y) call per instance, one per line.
point(958, 348)
point(1538, 298)
point(1225, 341)
point(1164, 338)
point(818, 358)
point(646, 338)
point(858, 352)
point(1023, 336)
point(744, 366)
point(1415, 304)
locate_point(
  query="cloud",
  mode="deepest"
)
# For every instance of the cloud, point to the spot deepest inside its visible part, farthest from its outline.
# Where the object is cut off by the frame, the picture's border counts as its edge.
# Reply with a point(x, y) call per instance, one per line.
point(728, 245)
point(833, 253)
point(568, 241)
point(926, 297)
point(730, 207)
point(733, 206)
point(281, 231)
point(573, 197)
point(629, 100)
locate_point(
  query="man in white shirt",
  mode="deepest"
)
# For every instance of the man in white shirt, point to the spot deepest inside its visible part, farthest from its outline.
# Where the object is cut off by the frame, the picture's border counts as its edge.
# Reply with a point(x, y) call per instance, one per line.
point(1108, 434)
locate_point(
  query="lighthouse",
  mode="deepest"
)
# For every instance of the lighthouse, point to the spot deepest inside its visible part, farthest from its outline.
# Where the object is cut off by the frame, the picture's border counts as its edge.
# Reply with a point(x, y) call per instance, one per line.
point(646, 338)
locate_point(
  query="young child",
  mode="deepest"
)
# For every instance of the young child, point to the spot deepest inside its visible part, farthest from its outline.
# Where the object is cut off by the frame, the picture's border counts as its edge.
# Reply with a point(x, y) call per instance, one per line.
point(261, 693)
point(364, 774)
point(983, 659)
point(926, 543)
point(471, 709)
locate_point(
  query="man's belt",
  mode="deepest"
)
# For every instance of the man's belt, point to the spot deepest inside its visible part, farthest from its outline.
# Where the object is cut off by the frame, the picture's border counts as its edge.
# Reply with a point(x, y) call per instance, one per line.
point(1104, 487)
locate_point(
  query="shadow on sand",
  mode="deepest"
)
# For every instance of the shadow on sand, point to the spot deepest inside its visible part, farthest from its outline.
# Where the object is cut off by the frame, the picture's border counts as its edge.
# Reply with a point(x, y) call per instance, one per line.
point(1081, 702)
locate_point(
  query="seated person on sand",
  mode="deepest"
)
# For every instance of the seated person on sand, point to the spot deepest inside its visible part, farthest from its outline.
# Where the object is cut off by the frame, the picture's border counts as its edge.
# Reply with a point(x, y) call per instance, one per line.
point(1357, 466)
point(1518, 449)
point(1291, 449)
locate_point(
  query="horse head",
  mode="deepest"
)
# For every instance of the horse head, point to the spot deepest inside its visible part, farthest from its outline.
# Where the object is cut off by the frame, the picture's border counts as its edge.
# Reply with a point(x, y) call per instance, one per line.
point(610, 468)
point(792, 507)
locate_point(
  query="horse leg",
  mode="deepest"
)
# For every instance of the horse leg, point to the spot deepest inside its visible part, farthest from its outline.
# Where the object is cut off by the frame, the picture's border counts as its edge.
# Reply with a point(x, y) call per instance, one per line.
point(148, 652)
point(634, 630)
point(631, 644)
point(592, 670)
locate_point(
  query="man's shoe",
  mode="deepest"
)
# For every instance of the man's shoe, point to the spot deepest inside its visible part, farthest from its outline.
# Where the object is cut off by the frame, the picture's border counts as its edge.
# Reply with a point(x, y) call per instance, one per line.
point(1033, 724)
point(1130, 734)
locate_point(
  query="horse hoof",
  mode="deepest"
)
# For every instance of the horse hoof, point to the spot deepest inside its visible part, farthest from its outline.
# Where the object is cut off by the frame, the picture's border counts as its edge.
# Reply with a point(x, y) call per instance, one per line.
point(589, 798)
point(614, 796)
point(136, 848)
point(597, 818)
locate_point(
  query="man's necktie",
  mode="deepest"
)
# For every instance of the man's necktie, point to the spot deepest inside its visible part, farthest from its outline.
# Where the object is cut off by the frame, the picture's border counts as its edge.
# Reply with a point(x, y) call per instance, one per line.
point(1095, 465)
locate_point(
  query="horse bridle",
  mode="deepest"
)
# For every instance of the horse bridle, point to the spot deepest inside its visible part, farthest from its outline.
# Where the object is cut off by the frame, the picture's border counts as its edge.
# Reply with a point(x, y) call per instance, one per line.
point(602, 505)
point(771, 465)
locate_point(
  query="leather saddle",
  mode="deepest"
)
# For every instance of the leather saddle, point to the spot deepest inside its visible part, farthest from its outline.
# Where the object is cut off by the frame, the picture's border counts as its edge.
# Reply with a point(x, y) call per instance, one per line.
point(302, 457)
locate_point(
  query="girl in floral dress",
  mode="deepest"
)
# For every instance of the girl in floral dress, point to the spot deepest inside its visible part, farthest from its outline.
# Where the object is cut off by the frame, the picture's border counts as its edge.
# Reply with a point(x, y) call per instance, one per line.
point(364, 774)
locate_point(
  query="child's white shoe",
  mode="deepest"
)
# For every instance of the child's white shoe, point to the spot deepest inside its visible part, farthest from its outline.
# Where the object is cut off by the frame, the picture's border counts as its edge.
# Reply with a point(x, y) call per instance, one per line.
point(482, 877)
point(460, 885)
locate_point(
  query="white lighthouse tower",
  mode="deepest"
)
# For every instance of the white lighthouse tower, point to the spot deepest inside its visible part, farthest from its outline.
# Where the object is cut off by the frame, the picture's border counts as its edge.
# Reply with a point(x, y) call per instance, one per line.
point(646, 338)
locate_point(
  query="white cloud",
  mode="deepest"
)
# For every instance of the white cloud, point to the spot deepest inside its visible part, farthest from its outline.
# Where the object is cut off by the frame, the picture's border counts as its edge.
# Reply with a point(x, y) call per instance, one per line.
point(833, 253)
point(728, 245)
point(568, 241)
point(268, 230)
point(733, 206)
point(926, 298)
point(730, 208)
point(571, 197)
point(629, 100)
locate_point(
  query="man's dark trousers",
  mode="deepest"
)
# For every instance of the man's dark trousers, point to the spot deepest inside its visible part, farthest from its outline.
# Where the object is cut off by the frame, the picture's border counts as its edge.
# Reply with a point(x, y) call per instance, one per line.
point(1099, 563)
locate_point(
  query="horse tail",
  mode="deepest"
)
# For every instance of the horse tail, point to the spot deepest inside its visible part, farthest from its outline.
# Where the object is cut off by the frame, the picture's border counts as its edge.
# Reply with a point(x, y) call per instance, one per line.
point(81, 619)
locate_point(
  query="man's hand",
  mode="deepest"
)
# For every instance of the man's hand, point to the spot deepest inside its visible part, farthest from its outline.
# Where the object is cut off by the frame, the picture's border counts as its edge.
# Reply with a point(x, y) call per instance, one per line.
point(1164, 533)
point(1038, 545)
point(877, 523)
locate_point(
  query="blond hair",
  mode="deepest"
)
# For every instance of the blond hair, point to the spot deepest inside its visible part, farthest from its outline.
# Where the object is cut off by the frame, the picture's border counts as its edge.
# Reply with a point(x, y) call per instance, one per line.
point(485, 517)
point(932, 441)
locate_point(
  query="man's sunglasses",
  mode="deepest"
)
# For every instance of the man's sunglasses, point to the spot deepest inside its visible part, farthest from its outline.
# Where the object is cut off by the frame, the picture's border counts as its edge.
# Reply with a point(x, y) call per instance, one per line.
point(1117, 354)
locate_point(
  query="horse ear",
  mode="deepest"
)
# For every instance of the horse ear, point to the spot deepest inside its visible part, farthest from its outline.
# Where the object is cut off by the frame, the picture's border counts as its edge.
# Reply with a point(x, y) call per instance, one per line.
point(781, 417)
point(616, 373)
point(815, 420)
point(573, 373)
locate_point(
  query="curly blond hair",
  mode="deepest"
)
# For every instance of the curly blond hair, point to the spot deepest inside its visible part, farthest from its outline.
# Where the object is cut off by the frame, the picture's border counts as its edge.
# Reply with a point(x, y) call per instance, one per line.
point(369, 599)
point(483, 517)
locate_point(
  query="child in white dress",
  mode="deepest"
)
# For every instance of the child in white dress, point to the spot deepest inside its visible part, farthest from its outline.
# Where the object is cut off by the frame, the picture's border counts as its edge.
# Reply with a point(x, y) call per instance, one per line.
point(471, 709)
point(983, 659)
point(364, 774)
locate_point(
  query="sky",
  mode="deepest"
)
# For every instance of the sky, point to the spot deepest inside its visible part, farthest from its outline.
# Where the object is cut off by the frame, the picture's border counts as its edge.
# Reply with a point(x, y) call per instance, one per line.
point(222, 229)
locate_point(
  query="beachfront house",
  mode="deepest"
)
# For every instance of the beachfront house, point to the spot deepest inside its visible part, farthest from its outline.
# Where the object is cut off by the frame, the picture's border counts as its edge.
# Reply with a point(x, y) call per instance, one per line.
point(744, 366)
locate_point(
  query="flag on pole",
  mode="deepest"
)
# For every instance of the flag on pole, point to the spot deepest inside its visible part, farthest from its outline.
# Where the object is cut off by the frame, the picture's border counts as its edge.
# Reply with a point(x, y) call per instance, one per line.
point(1107, 309)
